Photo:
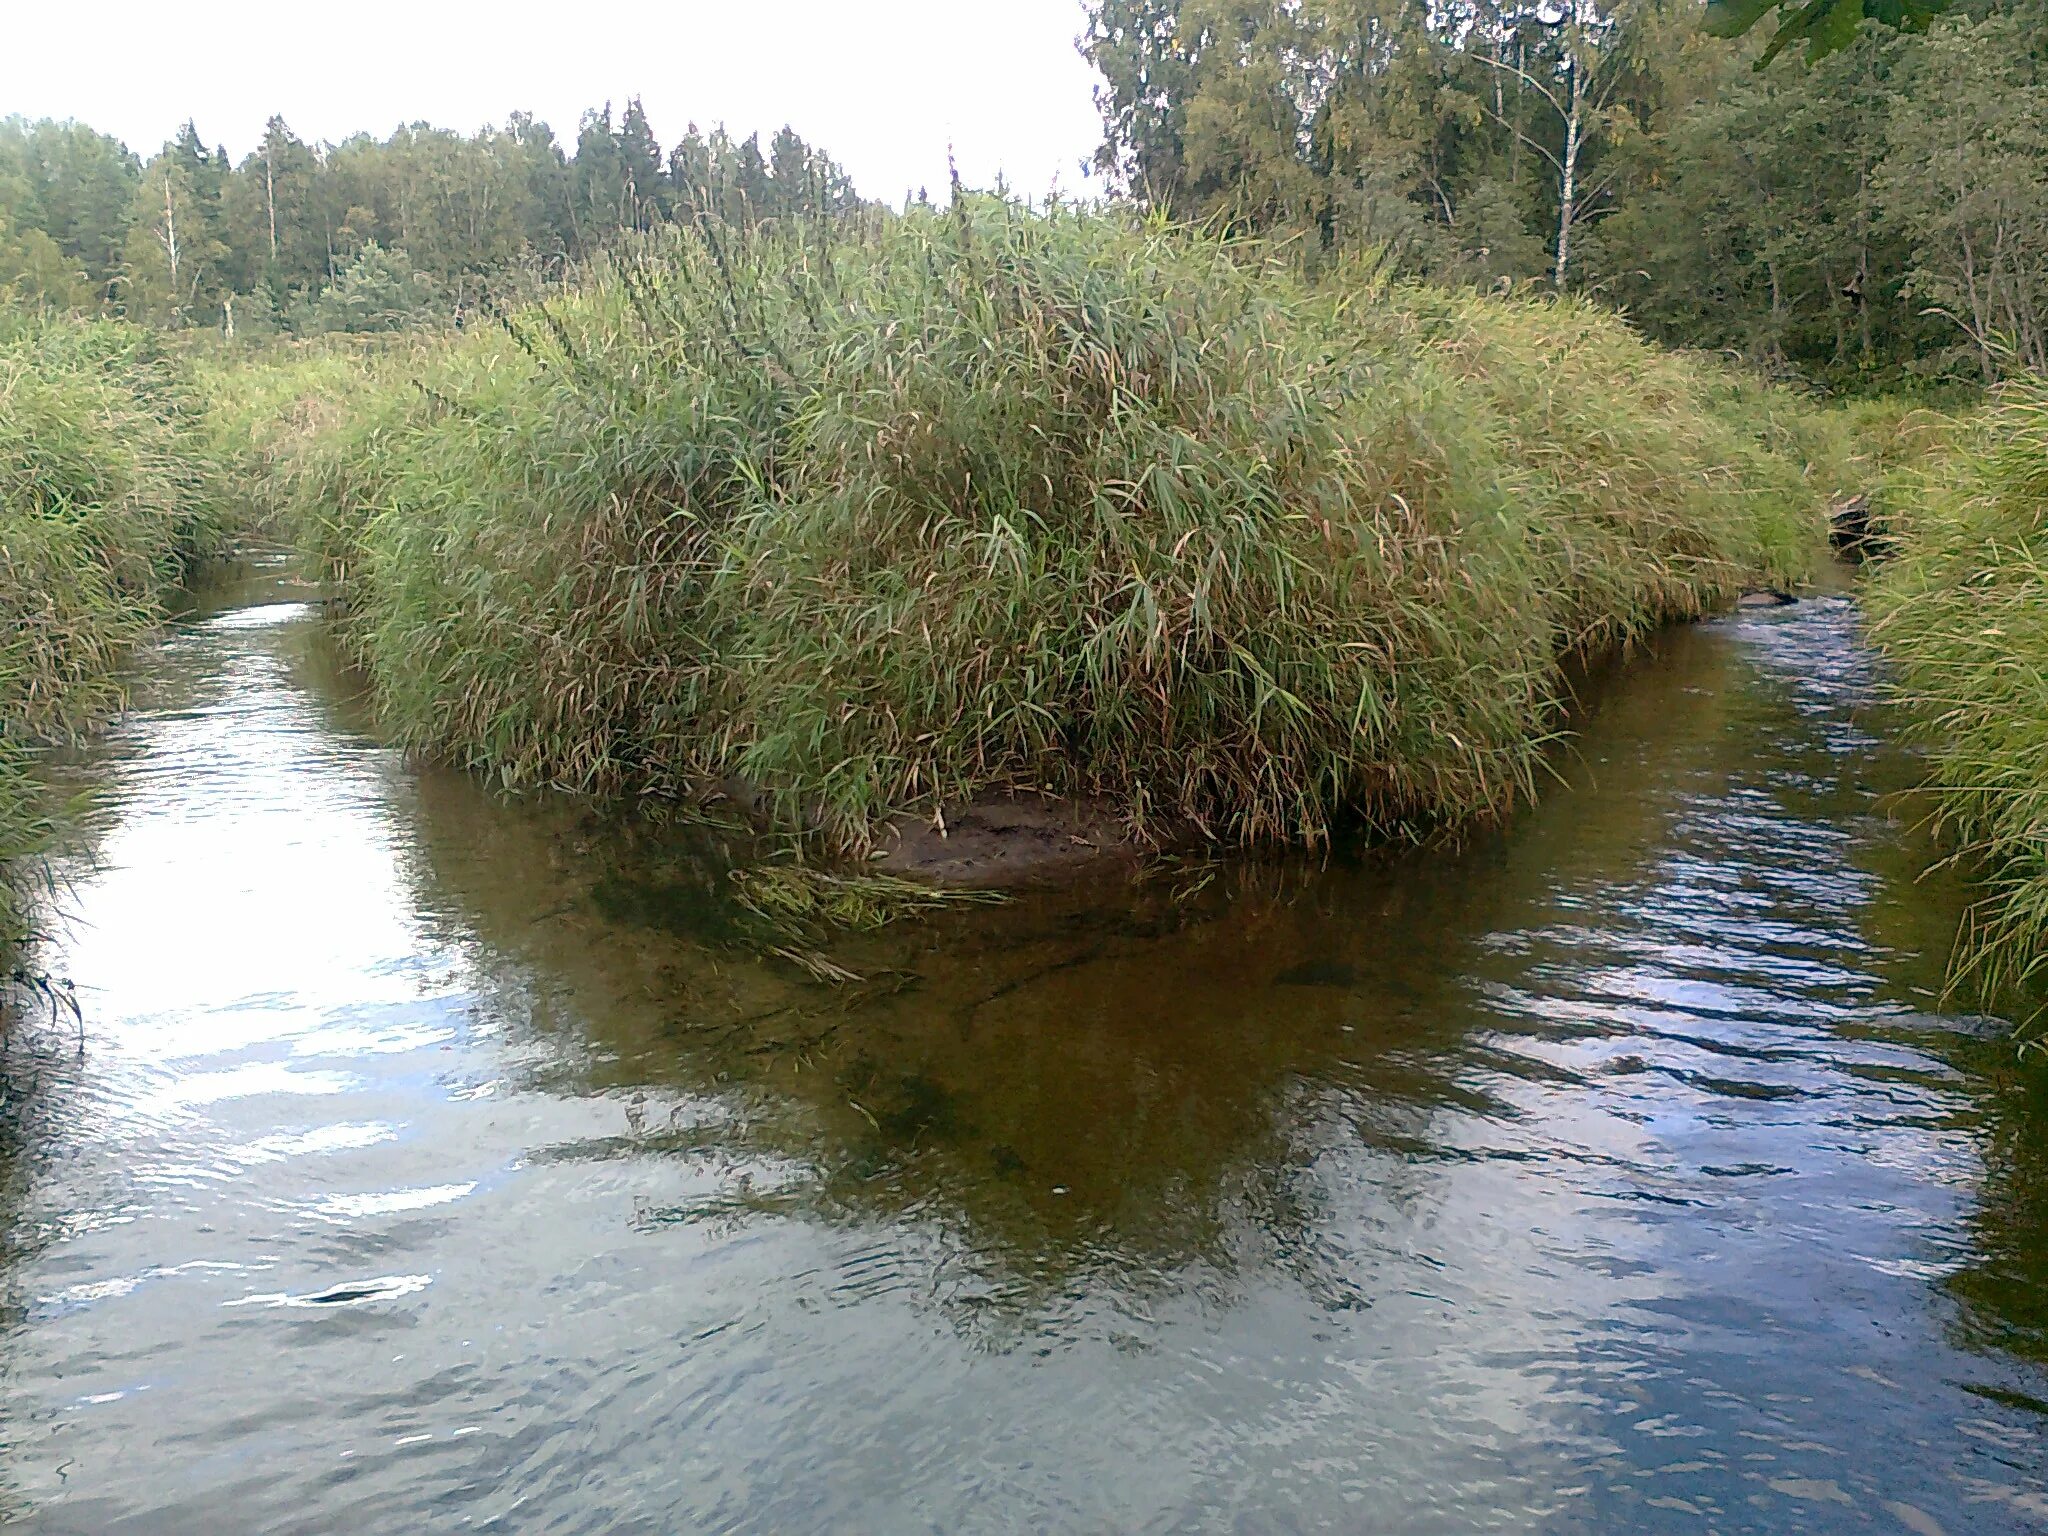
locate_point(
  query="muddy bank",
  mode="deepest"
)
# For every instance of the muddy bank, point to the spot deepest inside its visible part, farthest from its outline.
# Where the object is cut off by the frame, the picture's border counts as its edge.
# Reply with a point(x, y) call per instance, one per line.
point(1012, 840)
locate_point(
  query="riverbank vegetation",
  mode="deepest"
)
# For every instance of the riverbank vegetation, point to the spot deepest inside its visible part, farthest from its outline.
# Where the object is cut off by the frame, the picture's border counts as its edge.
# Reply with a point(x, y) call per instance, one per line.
point(104, 501)
point(878, 516)
point(1963, 614)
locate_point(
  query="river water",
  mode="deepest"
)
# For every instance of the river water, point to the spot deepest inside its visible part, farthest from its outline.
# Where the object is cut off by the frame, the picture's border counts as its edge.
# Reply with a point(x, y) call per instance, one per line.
point(438, 1163)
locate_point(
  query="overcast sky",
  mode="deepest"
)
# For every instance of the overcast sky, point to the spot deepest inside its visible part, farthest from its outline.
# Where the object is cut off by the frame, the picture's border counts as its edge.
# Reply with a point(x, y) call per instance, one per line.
point(881, 85)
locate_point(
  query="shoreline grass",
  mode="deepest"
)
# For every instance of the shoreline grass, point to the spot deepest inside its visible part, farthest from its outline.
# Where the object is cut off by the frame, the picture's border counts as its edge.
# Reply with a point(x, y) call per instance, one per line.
point(1962, 614)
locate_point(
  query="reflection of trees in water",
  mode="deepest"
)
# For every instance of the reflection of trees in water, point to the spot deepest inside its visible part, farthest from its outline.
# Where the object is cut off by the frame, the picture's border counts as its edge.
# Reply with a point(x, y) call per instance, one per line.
point(39, 1092)
point(44, 1020)
point(1070, 1083)
point(2002, 1289)
point(39, 1081)
point(1909, 919)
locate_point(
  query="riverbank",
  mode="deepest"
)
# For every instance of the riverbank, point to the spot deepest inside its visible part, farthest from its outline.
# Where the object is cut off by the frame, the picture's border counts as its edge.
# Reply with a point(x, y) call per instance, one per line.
point(105, 500)
point(1962, 613)
point(890, 519)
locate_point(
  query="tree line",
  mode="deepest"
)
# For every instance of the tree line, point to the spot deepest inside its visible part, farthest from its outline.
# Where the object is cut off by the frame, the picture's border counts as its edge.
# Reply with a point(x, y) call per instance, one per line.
point(1870, 216)
point(366, 234)
point(1867, 217)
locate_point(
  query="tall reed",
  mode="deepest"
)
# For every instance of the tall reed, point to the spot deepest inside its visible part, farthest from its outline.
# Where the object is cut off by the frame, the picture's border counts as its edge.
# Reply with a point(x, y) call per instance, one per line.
point(1963, 614)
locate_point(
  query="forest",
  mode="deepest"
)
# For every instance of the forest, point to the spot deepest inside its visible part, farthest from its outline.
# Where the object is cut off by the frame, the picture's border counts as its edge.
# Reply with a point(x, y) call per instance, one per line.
point(1876, 218)
point(367, 235)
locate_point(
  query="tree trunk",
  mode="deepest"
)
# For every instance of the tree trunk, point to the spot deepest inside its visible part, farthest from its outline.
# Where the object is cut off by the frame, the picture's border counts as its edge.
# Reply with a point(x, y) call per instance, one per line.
point(1980, 331)
point(1777, 314)
point(1863, 256)
point(1515, 139)
point(1568, 180)
point(169, 238)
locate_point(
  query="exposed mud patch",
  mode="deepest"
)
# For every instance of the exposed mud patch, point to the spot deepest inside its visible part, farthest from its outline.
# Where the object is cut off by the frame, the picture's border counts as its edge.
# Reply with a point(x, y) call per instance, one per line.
point(1014, 840)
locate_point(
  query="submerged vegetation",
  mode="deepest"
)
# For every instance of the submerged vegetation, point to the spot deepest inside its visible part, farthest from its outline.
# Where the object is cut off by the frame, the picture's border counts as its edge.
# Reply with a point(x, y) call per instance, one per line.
point(1963, 614)
point(104, 492)
point(801, 898)
point(880, 516)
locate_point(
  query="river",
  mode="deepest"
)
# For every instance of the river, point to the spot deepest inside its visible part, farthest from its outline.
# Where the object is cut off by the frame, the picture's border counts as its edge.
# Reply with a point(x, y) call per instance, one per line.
point(434, 1162)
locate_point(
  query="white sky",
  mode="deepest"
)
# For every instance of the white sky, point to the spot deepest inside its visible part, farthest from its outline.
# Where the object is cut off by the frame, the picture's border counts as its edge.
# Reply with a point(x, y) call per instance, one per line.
point(881, 85)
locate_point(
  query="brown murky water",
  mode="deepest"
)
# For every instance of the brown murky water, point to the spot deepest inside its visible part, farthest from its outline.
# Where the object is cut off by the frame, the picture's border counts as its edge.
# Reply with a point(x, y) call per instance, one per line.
point(437, 1163)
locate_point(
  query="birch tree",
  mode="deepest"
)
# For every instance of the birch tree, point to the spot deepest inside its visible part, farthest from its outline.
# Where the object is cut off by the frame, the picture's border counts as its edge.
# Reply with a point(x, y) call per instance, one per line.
point(1571, 65)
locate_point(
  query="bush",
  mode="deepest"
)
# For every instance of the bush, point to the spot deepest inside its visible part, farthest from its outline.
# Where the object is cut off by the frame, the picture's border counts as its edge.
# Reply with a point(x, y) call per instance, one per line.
point(377, 291)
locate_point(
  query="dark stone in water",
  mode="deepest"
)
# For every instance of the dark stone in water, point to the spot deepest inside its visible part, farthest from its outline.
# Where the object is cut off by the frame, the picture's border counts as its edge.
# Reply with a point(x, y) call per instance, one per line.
point(922, 1105)
point(1849, 526)
point(1318, 973)
point(1765, 600)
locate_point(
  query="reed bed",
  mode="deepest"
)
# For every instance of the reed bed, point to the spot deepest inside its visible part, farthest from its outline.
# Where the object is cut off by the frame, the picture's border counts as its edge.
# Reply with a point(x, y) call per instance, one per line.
point(1963, 614)
point(881, 517)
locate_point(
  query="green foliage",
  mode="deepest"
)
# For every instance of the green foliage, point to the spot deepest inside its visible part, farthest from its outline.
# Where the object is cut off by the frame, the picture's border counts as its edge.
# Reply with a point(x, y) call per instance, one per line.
point(1872, 221)
point(378, 291)
point(888, 515)
point(1963, 615)
point(1874, 446)
point(258, 408)
point(103, 501)
point(74, 187)
point(1643, 477)
point(1868, 222)
point(175, 263)
point(33, 270)
point(1824, 26)
point(1966, 182)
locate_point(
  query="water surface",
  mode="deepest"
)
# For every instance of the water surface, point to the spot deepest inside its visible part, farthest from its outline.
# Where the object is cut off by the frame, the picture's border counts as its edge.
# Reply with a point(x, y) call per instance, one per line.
point(440, 1163)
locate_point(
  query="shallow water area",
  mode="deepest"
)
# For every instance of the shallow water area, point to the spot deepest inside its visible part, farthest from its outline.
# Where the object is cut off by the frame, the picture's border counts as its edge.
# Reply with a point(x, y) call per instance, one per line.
point(439, 1162)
